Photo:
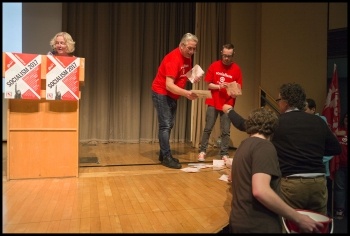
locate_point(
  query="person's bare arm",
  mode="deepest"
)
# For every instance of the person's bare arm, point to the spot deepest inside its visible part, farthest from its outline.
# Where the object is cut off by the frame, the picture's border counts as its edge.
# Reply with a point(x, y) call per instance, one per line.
point(170, 86)
point(265, 195)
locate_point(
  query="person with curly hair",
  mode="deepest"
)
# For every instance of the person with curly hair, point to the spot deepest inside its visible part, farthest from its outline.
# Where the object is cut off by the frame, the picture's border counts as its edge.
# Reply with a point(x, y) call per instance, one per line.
point(62, 44)
point(301, 141)
point(256, 205)
point(310, 107)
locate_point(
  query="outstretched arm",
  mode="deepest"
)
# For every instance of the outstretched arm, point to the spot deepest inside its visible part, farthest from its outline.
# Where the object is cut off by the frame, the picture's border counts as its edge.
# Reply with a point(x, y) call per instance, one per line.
point(236, 119)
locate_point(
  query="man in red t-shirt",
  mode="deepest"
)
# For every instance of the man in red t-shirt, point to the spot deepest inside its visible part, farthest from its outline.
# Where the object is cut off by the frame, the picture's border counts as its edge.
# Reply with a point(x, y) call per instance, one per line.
point(220, 73)
point(167, 87)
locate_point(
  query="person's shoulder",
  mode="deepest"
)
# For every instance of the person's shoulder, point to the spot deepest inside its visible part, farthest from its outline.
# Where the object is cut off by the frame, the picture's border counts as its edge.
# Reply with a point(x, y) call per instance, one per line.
point(216, 64)
point(321, 116)
point(173, 54)
point(175, 51)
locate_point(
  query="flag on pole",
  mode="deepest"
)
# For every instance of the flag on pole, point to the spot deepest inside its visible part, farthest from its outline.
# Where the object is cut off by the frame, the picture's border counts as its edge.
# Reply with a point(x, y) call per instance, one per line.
point(331, 109)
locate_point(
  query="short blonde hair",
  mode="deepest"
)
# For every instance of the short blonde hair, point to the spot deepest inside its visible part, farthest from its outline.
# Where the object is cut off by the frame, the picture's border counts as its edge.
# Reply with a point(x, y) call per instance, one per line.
point(67, 38)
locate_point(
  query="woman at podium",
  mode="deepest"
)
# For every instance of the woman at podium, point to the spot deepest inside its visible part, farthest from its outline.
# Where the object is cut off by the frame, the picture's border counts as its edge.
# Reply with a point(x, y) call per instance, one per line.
point(62, 44)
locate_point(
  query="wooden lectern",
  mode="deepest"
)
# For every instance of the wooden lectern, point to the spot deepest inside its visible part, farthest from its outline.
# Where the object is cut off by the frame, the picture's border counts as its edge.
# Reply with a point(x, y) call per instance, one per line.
point(43, 135)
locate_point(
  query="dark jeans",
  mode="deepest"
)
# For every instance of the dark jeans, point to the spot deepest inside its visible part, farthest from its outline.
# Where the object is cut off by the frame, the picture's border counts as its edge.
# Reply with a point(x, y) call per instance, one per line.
point(166, 109)
point(340, 188)
point(225, 124)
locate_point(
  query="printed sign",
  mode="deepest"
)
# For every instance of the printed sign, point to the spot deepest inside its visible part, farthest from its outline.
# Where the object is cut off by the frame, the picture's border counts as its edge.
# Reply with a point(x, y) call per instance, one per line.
point(22, 76)
point(62, 78)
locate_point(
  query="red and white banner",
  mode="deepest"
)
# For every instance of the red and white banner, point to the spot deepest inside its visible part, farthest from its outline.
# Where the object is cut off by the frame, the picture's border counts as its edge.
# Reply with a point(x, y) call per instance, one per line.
point(22, 75)
point(331, 108)
point(62, 78)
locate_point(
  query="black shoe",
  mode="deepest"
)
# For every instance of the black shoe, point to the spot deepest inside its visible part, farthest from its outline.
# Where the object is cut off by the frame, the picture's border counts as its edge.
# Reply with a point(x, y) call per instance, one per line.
point(170, 162)
point(160, 158)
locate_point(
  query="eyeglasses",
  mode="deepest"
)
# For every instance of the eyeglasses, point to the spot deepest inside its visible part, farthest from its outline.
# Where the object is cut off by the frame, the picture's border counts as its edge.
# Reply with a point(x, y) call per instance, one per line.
point(226, 56)
point(191, 48)
point(278, 99)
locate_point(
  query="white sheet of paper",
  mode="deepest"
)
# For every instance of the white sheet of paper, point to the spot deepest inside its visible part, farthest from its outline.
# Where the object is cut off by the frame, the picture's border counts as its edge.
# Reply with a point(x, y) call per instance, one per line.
point(219, 163)
point(190, 169)
point(196, 71)
point(224, 178)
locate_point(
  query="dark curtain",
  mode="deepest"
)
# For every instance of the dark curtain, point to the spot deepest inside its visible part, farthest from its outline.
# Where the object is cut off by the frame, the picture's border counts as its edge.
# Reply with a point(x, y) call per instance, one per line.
point(123, 45)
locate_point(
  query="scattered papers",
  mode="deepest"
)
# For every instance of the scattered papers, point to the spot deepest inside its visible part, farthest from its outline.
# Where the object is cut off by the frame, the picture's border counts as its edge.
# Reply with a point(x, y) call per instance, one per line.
point(199, 165)
point(190, 169)
point(224, 178)
point(218, 164)
point(202, 93)
point(195, 167)
point(234, 89)
point(196, 71)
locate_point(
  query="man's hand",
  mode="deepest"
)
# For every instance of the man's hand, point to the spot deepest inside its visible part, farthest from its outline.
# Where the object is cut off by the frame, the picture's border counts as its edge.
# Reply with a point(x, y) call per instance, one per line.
point(197, 79)
point(191, 96)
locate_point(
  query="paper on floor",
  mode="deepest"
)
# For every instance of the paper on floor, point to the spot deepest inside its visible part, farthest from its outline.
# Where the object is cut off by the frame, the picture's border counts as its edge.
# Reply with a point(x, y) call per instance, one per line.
point(224, 178)
point(190, 169)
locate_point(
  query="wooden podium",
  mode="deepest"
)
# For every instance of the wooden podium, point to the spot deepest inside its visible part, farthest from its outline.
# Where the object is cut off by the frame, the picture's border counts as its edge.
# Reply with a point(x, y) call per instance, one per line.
point(43, 135)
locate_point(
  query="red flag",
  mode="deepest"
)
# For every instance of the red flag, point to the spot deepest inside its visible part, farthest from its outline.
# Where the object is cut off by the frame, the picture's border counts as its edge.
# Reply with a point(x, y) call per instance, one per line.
point(331, 109)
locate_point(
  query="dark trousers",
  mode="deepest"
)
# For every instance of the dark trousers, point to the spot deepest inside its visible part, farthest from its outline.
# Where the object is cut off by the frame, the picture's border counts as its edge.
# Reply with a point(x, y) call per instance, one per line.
point(330, 197)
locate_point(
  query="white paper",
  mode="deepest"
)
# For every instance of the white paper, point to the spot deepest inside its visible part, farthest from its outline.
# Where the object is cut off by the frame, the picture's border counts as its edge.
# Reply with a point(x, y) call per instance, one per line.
point(196, 71)
point(190, 169)
point(219, 163)
point(224, 178)
point(199, 165)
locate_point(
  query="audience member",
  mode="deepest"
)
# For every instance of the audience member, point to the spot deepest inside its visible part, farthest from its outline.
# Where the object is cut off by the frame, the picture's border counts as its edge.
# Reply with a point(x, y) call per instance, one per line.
point(300, 153)
point(339, 169)
point(167, 87)
point(219, 74)
point(310, 107)
point(256, 205)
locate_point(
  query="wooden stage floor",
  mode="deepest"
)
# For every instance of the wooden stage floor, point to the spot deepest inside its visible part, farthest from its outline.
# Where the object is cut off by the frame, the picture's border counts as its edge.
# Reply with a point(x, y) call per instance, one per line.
point(126, 191)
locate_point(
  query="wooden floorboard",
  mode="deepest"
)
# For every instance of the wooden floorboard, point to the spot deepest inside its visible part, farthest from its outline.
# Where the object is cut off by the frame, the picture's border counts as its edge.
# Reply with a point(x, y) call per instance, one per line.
point(127, 191)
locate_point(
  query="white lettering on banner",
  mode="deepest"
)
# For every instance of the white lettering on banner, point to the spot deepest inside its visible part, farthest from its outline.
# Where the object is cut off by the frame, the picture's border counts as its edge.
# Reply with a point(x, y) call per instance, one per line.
point(71, 67)
point(22, 73)
point(224, 74)
point(17, 77)
point(58, 78)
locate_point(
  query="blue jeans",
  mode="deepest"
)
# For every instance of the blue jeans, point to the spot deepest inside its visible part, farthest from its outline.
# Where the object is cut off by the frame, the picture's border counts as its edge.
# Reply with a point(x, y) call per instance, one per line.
point(166, 109)
point(225, 123)
point(340, 188)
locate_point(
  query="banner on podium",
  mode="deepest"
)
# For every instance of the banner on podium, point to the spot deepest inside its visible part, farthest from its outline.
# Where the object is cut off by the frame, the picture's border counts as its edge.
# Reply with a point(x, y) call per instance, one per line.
point(62, 78)
point(22, 75)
